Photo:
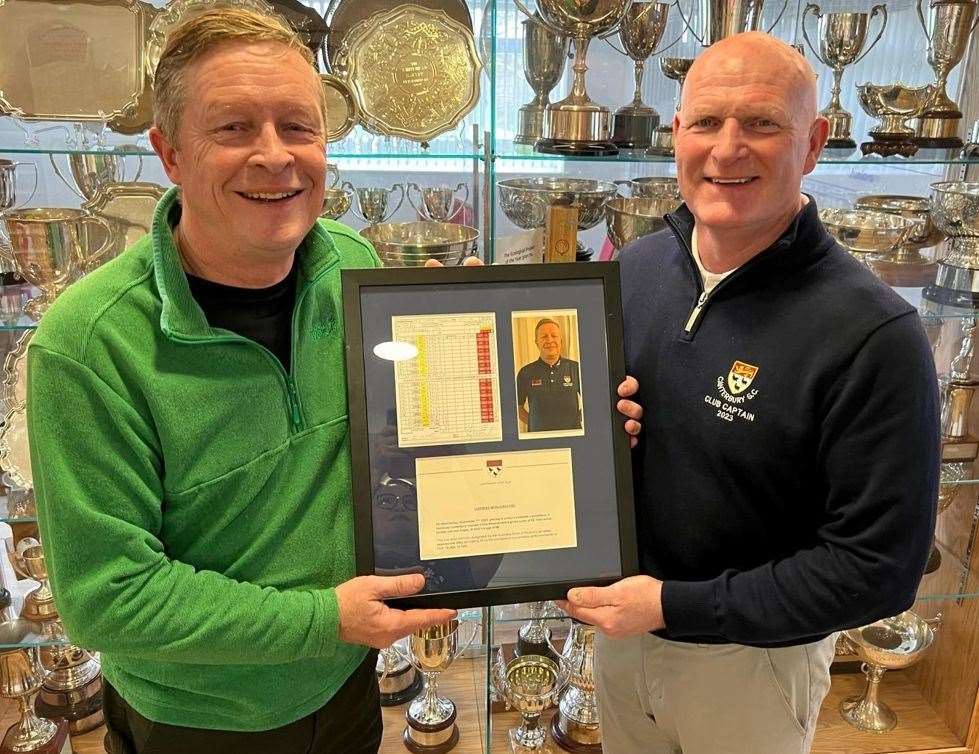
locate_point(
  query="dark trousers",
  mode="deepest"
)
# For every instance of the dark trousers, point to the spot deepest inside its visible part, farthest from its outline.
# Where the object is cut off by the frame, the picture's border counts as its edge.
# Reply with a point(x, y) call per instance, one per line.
point(350, 723)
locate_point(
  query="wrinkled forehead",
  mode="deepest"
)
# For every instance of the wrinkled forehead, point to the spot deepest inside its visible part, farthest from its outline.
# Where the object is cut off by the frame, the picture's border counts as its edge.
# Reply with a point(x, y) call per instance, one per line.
point(746, 85)
point(552, 330)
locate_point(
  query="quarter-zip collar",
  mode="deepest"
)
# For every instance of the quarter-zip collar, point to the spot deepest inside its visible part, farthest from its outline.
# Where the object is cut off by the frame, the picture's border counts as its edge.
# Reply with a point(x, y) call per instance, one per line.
point(182, 318)
point(806, 239)
point(803, 242)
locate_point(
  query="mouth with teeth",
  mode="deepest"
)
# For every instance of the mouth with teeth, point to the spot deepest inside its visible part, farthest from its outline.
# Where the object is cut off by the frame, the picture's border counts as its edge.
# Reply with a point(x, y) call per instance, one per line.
point(718, 181)
point(270, 197)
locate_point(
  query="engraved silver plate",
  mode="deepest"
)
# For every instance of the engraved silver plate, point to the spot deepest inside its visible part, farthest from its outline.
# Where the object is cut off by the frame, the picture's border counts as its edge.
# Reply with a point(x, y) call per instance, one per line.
point(74, 60)
point(15, 453)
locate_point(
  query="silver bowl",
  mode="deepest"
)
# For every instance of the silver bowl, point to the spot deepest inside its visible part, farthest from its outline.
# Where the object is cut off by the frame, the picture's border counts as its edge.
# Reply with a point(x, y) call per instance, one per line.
point(412, 244)
point(654, 187)
point(336, 202)
point(955, 208)
point(525, 200)
point(864, 231)
point(628, 218)
point(913, 208)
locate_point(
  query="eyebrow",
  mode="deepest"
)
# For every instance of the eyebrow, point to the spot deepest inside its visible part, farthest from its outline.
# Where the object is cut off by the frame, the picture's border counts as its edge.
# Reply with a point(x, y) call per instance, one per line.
point(776, 114)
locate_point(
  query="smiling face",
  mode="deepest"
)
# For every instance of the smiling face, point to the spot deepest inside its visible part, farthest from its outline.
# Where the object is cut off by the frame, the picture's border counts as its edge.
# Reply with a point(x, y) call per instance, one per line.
point(746, 133)
point(249, 154)
point(548, 340)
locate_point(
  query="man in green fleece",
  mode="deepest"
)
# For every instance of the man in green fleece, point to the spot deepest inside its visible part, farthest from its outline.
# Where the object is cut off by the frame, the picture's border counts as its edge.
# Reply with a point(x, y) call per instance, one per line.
point(196, 509)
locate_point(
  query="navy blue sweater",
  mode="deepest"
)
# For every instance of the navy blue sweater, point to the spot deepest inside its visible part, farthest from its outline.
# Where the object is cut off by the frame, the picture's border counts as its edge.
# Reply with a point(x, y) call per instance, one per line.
point(787, 474)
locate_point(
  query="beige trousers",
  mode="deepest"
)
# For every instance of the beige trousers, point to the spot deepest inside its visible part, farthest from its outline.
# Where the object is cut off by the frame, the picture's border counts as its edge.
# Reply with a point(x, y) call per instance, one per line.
point(668, 697)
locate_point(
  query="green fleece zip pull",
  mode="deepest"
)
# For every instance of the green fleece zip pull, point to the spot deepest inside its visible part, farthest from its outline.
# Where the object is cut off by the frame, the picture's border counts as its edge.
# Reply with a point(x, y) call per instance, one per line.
point(293, 404)
point(695, 314)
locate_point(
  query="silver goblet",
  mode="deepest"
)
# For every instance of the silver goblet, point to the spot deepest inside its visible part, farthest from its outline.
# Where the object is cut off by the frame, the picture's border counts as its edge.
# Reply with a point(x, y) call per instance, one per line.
point(889, 644)
point(530, 684)
point(21, 675)
point(841, 39)
point(336, 203)
point(640, 32)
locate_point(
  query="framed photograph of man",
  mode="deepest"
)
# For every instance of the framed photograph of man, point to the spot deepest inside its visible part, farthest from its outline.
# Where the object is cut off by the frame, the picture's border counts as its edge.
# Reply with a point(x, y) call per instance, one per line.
point(446, 481)
point(547, 358)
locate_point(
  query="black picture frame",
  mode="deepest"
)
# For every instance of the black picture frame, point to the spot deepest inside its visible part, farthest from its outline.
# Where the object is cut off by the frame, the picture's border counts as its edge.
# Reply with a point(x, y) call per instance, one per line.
point(388, 284)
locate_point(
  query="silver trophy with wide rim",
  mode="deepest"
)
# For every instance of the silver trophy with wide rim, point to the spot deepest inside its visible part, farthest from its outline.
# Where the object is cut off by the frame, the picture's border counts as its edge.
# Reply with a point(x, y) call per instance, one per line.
point(675, 69)
point(576, 725)
point(889, 644)
point(373, 204)
point(724, 18)
point(530, 684)
point(431, 718)
point(841, 40)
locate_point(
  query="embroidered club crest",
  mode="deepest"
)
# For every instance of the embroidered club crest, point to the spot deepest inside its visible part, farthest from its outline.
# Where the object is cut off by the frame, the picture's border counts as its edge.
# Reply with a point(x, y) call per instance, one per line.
point(740, 377)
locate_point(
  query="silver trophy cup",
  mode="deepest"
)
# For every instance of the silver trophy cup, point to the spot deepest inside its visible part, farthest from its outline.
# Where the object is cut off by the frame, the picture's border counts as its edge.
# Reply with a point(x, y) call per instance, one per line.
point(841, 40)
point(372, 206)
point(92, 170)
point(437, 203)
point(576, 725)
point(530, 684)
point(544, 56)
point(724, 18)
point(431, 718)
point(947, 28)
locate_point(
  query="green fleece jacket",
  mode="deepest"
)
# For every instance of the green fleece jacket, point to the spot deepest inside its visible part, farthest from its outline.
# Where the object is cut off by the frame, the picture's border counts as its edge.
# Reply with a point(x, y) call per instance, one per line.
point(194, 498)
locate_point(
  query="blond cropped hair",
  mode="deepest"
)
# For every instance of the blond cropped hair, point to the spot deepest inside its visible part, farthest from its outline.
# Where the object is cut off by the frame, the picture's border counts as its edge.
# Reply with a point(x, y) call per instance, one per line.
point(192, 38)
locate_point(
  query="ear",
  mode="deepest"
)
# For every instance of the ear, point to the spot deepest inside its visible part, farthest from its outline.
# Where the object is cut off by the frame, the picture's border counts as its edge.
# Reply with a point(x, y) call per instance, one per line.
point(167, 153)
point(818, 134)
point(676, 123)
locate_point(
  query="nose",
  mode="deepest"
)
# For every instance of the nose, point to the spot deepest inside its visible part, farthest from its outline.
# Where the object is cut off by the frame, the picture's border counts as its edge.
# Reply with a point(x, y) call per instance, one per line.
point(270, 150)
point(730, 145)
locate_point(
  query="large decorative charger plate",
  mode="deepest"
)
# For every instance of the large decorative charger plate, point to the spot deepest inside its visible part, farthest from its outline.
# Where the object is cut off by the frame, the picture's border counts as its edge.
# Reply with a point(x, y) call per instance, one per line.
point(13, 391)
point(139, 118)
point(181, 10)
point(74, 60)
point(307, 23)
point(344, 15)
point(128, 207)
point(414, 72)
point(341, 109)
point(15, 453)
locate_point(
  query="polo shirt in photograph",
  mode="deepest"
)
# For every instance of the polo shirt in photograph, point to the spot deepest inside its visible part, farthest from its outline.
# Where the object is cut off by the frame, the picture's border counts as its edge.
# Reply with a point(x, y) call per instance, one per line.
point(551, 394)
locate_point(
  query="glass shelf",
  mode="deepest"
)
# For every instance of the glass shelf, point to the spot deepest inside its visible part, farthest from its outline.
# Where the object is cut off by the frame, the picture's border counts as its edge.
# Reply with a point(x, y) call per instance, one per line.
point(20, 633)
point(19, 513)
point(19, 326)
point(830, 157)
point(331, 154)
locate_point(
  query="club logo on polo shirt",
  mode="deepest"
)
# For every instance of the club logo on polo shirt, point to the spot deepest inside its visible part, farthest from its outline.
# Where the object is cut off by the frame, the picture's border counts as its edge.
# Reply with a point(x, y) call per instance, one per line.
point(740, 377)
point(734, 393)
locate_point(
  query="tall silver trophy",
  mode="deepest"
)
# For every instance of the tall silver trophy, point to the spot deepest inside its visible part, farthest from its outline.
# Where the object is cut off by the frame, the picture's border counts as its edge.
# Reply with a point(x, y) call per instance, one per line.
point(947, 27)
point(577, 125)
point(544, 55)
point(534, 637)
point(724, 18)
point(640, 33)
point(675, 69)
point(397, 680)
point(576, 727)
point(841, 40)
point(431, 718)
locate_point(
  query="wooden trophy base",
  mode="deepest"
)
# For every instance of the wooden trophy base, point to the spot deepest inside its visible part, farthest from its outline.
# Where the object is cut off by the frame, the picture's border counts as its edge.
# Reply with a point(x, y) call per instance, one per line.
point(429, 739)
point(59, 744)
point(576, 739)
point(400, 687)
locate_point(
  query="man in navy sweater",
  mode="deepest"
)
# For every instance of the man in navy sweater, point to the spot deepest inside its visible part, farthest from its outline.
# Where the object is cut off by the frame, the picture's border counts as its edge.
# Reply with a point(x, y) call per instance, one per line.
point(786, 479)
